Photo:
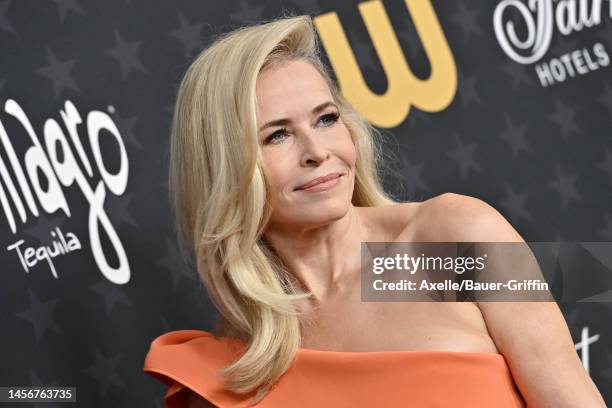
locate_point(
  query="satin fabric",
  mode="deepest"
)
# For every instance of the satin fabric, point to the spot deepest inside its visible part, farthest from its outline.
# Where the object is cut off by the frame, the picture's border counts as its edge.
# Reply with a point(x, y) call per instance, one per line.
point(429, 378)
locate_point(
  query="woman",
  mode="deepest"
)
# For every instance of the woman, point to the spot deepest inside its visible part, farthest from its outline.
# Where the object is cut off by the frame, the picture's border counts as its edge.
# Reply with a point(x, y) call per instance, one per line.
point(274, 183)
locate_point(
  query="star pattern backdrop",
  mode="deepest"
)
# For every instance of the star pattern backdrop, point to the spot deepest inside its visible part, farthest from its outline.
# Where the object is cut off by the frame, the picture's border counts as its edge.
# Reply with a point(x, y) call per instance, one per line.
point(542, 156)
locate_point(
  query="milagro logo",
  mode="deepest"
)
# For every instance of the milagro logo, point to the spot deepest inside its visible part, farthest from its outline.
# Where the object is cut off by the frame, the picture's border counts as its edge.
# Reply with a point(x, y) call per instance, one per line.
point(539, 19)
point(57, 162)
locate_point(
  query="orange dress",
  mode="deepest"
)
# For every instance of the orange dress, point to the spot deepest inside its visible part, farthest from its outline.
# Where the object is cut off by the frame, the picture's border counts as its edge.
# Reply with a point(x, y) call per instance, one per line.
point(317, 378)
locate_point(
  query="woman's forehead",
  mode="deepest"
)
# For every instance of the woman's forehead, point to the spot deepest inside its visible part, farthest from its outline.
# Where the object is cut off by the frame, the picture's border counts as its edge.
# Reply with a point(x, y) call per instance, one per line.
point(294, 85)
point(289, 77)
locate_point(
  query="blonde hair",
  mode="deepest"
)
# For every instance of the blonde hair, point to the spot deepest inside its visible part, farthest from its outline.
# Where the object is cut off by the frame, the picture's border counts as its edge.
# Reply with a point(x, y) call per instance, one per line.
point(219, 192)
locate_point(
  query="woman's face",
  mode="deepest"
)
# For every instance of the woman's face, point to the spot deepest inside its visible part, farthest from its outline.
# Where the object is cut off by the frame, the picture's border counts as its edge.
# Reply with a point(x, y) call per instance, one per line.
point(302, 138)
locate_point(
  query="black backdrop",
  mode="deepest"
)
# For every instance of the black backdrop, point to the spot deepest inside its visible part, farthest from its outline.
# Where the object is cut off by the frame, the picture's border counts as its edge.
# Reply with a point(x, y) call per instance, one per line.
point(540, 154)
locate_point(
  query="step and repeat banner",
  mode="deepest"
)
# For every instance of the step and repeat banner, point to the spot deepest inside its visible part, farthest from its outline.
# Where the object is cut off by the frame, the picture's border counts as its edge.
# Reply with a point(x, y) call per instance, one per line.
point(509, 101)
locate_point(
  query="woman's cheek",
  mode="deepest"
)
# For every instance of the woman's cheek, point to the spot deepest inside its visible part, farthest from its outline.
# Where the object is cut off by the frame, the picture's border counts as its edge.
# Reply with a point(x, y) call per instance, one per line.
point(351, 153)
point(276, 183)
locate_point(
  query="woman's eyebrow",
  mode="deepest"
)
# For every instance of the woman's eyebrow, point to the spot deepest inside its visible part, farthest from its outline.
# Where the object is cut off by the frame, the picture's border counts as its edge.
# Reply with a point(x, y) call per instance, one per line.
point(281, 122)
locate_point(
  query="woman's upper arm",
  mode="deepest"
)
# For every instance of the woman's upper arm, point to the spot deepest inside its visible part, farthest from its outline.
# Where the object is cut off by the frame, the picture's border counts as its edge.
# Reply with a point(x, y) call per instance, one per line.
point(536, 343)
point(532, 336)
point(194, 400)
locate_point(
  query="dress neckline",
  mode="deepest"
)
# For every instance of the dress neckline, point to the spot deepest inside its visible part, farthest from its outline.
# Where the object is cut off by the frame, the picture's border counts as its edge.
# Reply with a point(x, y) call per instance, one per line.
point(404, 352)
point(313, 352)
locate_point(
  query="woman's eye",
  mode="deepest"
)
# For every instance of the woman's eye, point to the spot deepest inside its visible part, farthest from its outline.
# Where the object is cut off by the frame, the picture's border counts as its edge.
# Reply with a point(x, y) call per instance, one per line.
point(330, 118)
point(272, 137)
point(278, 136)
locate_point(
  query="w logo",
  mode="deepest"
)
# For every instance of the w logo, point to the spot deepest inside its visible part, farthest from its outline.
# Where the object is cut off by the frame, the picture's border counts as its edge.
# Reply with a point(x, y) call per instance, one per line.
point(404, 90)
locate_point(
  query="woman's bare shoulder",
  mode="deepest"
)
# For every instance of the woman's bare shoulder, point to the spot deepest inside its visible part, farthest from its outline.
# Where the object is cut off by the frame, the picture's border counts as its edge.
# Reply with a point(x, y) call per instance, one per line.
point(451, 204)
point(446, 217)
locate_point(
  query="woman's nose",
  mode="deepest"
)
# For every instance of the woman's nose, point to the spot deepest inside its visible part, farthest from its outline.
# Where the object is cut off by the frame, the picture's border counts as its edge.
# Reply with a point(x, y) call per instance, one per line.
point(313, 151)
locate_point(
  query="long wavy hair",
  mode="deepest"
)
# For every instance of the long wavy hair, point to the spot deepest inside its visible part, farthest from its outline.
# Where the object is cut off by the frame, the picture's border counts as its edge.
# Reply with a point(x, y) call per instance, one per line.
point(220, 195)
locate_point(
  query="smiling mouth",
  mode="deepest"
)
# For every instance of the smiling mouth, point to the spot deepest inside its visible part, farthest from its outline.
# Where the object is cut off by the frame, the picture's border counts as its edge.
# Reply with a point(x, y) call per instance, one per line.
point(323, 185)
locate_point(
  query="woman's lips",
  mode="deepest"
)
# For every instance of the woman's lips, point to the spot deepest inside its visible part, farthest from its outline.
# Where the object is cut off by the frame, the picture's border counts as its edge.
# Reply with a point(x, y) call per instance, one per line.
point(318, 180)
point(326, 185)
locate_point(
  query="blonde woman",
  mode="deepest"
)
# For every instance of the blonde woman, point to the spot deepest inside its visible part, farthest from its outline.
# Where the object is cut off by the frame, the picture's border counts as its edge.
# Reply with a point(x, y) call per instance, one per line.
point(274, 184)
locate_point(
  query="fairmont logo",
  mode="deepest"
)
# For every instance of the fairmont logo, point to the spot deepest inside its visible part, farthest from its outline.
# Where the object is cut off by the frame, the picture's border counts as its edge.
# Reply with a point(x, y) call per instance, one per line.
point(57, 163)
point(539, 19)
